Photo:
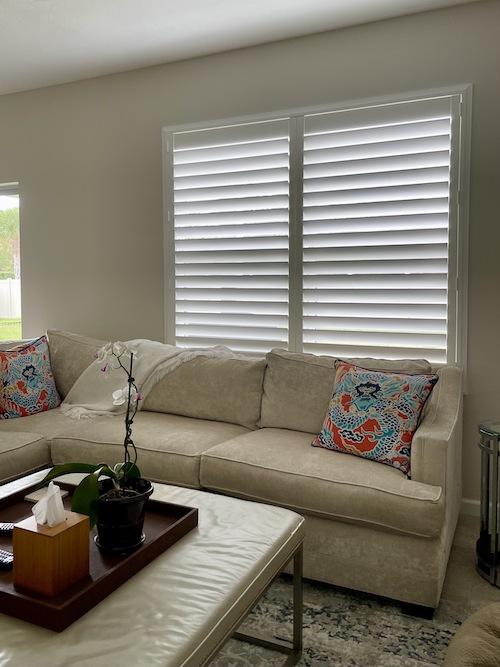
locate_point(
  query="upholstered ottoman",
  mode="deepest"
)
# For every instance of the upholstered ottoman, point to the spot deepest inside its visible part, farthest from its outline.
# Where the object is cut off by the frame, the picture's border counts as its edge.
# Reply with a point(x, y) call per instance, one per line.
point(181, 608)
point(477, 642)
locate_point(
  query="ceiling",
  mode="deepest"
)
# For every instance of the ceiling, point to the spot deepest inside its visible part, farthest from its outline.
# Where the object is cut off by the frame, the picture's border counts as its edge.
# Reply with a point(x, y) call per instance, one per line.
point(47, 42)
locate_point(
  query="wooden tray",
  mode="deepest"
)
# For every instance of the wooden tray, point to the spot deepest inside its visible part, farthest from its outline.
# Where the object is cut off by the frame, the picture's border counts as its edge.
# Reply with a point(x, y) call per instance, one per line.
point(165, 524)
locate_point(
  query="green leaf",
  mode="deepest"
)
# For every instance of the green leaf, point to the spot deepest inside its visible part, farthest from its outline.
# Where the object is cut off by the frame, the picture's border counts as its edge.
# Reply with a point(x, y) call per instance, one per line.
point(118, 470)
point(65, 469)
point(131, 470)
point(86, 496)
point(134, 471)
point(108, 472)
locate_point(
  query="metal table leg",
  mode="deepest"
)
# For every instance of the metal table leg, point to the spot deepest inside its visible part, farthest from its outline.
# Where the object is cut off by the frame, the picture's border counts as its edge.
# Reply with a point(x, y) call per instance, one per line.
point(487, 547)
point(294, 648)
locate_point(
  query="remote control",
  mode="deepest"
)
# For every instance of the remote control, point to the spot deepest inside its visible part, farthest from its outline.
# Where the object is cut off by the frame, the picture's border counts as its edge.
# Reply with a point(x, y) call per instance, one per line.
point(6, 528)
point(6, 559)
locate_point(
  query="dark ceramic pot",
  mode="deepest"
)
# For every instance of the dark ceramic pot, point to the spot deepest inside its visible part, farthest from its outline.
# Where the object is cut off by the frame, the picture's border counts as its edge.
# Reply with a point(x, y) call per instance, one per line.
point(120, 520)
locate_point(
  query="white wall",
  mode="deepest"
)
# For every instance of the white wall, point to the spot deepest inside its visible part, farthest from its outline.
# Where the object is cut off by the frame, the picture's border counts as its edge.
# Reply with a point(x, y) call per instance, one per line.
point(88, 160)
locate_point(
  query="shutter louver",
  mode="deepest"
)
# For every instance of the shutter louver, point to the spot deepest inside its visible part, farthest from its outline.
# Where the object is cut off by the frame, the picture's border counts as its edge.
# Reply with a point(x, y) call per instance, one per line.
point(375, 231)
point(231, 193)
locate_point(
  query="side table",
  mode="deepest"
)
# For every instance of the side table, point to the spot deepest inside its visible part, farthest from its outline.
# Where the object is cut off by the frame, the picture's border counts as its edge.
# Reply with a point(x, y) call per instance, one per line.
point(488, 544)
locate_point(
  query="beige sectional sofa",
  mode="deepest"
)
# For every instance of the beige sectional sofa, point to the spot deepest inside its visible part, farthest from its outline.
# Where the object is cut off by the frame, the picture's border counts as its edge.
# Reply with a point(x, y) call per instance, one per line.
point(243, 427)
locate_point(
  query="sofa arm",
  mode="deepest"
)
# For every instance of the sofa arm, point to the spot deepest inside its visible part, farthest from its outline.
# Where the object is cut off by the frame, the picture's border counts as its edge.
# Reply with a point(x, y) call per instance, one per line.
point(436, 452)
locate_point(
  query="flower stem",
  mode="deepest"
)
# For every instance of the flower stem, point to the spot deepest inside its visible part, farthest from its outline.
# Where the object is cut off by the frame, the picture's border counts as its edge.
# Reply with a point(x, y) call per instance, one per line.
point(129, 417)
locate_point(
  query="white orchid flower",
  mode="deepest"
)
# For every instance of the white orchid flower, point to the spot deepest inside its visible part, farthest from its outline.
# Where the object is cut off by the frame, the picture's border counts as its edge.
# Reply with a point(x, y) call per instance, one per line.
point(102, 354)
point(122, 350)
point(109, 355)
point(121, 395)
point(106, 357)
point(119, 348)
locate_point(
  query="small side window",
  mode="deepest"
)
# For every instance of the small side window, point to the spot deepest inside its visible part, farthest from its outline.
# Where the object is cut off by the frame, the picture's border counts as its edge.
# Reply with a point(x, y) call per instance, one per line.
point(10, 264)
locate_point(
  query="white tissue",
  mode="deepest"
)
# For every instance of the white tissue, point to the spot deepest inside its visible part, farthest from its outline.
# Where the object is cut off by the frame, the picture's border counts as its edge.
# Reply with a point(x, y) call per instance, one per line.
point(50, 510)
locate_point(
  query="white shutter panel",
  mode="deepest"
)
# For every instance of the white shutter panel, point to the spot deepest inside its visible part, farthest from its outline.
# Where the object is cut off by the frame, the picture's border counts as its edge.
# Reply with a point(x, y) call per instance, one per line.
point(231, 193)
point(375, 230)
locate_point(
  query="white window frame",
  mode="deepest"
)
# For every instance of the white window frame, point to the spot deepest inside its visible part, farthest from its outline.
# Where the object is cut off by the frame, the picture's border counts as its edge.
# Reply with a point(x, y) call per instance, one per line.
point(458, 214)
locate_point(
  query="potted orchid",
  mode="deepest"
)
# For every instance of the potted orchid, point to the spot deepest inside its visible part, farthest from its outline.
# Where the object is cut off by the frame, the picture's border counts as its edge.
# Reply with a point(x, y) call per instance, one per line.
point(114, 497)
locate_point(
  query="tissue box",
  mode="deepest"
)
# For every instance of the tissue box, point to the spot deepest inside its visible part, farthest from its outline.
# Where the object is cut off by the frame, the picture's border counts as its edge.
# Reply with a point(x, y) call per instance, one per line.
point(48, 559)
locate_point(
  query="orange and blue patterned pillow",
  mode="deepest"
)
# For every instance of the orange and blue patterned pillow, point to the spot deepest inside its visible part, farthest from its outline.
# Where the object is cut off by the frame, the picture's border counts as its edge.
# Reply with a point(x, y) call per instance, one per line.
point(374, 414)
point(26, 381)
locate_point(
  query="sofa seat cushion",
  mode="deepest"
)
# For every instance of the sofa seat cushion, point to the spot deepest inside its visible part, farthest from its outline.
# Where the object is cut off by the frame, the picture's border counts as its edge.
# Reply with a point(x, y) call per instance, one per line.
point(169, 446)
point(47, 423)
point(287, 404)
point(280, 467)
point(22, 453)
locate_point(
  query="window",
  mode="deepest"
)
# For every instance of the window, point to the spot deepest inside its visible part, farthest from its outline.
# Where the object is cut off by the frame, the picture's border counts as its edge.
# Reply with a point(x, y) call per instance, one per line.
point(331, 231)
point(10, 263)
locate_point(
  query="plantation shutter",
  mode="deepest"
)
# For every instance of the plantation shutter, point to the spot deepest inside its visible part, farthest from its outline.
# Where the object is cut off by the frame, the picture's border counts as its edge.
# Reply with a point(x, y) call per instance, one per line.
point(230, 211)
point(330, 232)
point(376, 230)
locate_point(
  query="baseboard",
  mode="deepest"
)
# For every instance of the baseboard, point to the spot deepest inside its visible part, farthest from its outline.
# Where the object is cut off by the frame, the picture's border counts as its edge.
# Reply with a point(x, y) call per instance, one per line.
point(470, 507)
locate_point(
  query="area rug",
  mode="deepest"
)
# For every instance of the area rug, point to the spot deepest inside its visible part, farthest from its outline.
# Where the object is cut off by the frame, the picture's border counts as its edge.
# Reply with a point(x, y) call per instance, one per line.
point(343, 628)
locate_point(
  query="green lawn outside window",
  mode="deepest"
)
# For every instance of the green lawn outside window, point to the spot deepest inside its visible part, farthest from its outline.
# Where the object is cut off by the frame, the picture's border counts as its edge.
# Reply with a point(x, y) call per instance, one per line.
point(10, 329)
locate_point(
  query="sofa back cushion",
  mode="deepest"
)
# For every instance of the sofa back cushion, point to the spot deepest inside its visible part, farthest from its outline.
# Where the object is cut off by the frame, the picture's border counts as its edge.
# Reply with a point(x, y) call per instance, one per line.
point(70, 355)
point(298, 386)
point(220, 389)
